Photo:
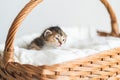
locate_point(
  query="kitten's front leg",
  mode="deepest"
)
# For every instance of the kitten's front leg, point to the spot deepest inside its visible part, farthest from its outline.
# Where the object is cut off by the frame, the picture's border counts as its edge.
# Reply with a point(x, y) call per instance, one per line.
point(34, 47)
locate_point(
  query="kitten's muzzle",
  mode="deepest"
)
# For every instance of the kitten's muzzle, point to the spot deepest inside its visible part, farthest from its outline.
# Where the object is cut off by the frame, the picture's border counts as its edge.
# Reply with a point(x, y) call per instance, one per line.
point(60, 43)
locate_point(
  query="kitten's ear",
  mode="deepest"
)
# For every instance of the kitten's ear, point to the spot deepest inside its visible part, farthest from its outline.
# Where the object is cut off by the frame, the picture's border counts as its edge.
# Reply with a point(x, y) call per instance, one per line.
point(47, 32)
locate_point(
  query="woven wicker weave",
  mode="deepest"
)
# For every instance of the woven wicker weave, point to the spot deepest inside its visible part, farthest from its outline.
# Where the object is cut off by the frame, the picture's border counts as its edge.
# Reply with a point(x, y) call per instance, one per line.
point(102, 66)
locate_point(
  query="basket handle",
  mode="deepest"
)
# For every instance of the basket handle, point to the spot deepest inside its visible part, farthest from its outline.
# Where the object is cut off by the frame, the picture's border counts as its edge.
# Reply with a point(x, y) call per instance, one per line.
point(9, 44)
point(114, 22)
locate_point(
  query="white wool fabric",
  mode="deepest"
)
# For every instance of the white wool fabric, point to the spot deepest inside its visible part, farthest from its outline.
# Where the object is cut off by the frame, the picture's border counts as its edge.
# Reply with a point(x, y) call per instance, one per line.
point(81, 42)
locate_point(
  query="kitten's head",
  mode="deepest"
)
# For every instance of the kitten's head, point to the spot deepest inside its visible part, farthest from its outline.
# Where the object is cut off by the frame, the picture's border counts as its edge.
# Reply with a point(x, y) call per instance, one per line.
point(54, 36)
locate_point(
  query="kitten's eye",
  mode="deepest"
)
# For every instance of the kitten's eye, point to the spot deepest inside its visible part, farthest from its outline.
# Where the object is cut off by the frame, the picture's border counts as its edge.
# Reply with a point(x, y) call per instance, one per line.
point(63, 39)
point(56, 38)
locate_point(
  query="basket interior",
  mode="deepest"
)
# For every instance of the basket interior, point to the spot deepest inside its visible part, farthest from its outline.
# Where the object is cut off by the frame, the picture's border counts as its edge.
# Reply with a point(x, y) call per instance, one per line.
point(76, 47)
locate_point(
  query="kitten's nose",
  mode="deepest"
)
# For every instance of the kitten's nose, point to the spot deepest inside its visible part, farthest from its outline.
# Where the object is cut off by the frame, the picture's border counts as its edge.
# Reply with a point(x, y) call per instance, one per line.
point(60, 43)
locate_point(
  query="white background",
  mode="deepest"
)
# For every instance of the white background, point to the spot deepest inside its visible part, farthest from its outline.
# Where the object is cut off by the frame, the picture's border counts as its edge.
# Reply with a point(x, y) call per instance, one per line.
point(56, 12)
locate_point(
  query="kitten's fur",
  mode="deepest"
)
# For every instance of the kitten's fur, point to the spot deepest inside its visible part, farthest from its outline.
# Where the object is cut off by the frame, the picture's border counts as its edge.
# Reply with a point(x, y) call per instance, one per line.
point(52, 37)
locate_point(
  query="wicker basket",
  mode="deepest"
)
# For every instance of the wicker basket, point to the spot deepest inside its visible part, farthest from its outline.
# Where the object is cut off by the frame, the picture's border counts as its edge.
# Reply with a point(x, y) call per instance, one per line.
point(103, 66)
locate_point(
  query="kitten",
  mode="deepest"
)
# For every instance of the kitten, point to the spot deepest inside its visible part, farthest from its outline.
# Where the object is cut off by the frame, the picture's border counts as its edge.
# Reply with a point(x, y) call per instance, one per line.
point(51, 37)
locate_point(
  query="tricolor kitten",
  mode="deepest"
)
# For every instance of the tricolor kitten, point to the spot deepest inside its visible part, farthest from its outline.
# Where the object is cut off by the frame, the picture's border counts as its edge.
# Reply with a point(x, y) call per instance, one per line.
point(51, 37)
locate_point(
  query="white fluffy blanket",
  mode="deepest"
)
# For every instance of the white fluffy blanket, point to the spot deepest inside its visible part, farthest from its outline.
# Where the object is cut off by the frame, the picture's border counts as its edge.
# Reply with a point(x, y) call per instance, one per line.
point(81, 42)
